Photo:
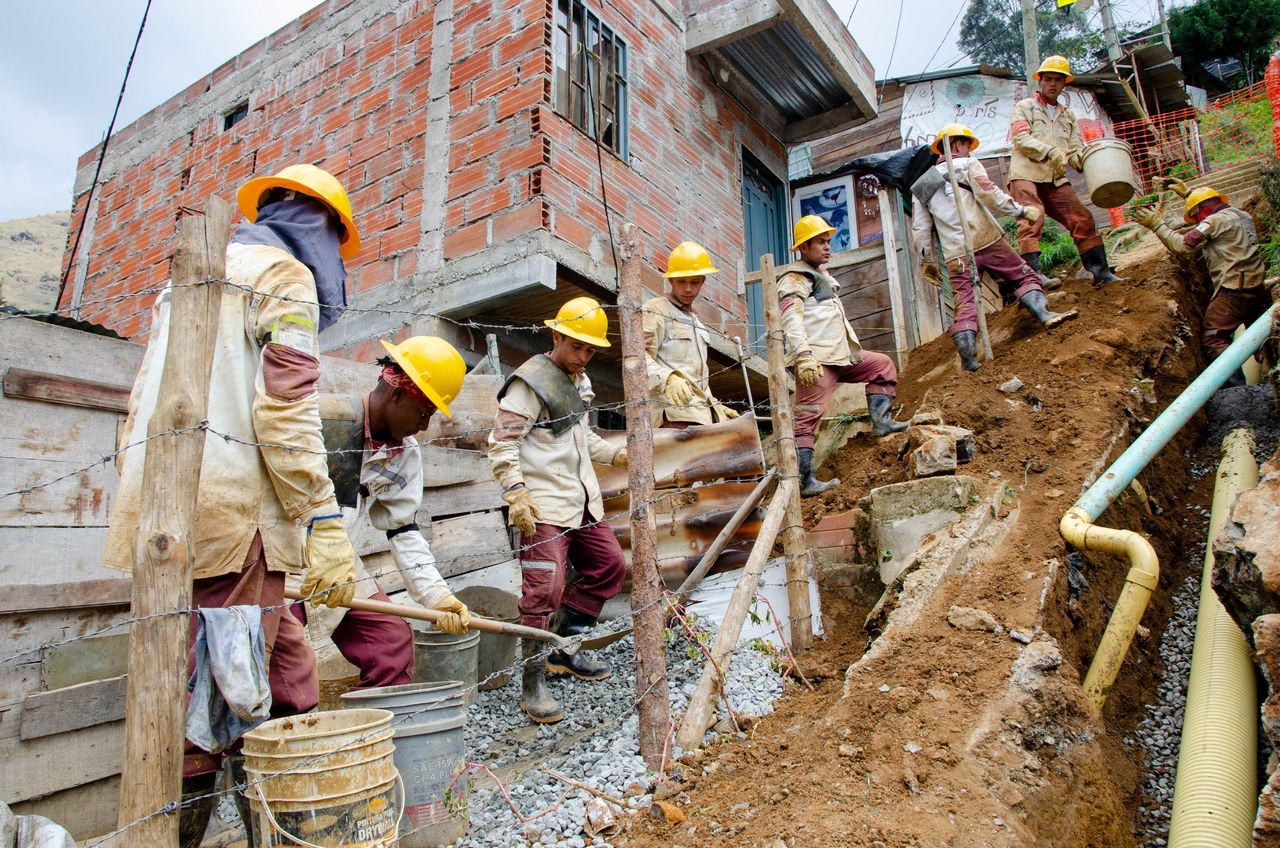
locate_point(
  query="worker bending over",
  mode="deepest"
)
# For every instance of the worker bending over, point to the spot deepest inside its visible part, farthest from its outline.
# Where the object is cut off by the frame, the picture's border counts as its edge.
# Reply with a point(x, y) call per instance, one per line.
point(1227, 238)
point(934, 205)
point(824, 348)
point(541, 449)
point(1046, 139)
point(675, 346)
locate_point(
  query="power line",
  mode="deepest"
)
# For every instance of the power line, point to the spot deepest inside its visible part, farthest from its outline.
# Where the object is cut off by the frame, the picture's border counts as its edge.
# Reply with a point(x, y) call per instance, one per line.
point(896, 29)
point(964, 4)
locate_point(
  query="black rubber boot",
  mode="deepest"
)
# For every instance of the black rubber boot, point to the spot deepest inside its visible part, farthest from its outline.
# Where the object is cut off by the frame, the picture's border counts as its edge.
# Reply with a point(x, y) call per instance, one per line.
point(810, 485)
point(198, 802)
point(535, 700)
point(570, 622)
point(1036, 304)
point(1047, 283)
point(1094, 261)
point(967, 346)
point(237, 776)
point(882, 423)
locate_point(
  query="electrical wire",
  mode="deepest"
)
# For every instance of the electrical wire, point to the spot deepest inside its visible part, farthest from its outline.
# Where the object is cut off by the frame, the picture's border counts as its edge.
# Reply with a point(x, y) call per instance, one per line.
point(964, 4)
point(892, 50)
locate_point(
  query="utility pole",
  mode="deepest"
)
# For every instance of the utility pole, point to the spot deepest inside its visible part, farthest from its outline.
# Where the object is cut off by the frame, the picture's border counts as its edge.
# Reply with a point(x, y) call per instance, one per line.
point(1030, 40)
point(1164, 25)
point(1114, 53)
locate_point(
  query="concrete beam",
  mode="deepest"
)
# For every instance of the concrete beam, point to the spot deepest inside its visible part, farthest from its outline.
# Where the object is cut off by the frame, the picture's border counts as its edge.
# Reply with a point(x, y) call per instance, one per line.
point(494, 287)
point(824, 125)
point(721, 23)
point(833, 42)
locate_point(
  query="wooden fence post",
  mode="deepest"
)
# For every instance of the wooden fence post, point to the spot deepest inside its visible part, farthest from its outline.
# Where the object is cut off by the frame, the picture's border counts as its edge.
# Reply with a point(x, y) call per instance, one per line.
point(784, 443)
point(653, 704)
point(163, 551)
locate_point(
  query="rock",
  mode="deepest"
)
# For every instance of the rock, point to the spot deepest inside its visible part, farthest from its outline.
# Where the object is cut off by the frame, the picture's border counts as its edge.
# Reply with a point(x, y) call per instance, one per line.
point(666, 789)
point(1021, 635)
point(936, 456)
point(667, 813)
point(1246, 571)
point(1011, 385)
point(1111, 337)
point(968, 618)
point(931, 417)
point(1266, 646)
point(847, 750)
point(1054, 494)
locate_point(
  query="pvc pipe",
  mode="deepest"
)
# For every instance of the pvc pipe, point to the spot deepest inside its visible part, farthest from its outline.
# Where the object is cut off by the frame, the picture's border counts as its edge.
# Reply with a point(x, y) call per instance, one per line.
point(1215, 797)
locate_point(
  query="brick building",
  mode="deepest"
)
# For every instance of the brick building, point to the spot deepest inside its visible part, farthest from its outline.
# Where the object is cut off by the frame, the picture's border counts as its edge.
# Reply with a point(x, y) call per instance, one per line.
point(489, 146)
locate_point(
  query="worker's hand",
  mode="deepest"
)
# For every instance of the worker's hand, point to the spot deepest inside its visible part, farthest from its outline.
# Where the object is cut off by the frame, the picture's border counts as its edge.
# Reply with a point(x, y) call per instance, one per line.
point(808, 369)
point(331, 563)
point(1032, 214)
point(932, 273)
point(1147, 217)
point(724, 413)
point(1058, 161)
point(524, 512)
point(1175, 185)
point(677, 390)
point(456, 616)
point(620, 458)
point(1076, 160)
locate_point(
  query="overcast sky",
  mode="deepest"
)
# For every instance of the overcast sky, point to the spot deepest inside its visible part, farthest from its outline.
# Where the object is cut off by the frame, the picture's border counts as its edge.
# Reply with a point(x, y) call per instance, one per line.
point(61, 63)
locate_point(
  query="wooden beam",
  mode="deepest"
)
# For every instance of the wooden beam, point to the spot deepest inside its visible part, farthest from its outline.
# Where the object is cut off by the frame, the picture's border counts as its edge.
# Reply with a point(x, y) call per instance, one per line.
point(842, 259)
point(72, 708)
point(39, 597)
point(38, 767)
point(55, 388)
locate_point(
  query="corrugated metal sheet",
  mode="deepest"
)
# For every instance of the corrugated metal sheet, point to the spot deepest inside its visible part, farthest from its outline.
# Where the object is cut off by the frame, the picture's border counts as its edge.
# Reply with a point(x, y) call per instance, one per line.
point(787, 71)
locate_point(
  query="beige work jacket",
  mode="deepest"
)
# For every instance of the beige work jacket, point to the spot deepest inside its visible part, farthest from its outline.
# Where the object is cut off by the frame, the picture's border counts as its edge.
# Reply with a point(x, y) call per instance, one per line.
point(980, 197)
point(1229, 242)
point(676, 341)
point(818, 326)
point(1035, 133)
point(269, 325)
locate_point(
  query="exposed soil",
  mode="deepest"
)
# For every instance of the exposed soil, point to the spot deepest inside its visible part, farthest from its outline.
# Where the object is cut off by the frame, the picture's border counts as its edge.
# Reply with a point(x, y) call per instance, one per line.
point(912, 750)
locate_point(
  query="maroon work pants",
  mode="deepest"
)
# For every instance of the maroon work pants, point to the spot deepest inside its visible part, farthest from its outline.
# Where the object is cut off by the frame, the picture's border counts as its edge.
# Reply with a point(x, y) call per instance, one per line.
point(1062, 205)
point(381, 646)
point(1228, 309)
point(876, 370)
point(1001, 262)
point(596, 556)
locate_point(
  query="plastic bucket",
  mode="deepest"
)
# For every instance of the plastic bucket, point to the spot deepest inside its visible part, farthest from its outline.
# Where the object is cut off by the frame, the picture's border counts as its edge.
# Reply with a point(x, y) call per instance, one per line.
point(439, 657)
point(1108, 172)
point(496, 655)
point(324, 780)
point(430, 754)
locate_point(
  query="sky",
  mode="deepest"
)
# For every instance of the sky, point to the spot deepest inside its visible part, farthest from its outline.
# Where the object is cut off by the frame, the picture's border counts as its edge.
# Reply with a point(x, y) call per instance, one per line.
point(62, 61)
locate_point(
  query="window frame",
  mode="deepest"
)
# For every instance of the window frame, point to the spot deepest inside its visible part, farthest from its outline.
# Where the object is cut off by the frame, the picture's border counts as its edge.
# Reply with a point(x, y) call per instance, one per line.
point(590, 85)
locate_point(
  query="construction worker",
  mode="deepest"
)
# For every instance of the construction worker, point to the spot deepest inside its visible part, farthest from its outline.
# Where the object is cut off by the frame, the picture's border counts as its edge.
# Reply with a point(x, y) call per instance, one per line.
point(675, 346)
point(824, 348)
point(265, 506)
point(935, 205)
point(1046, 140)
point(541, 449)
point(1229, 241)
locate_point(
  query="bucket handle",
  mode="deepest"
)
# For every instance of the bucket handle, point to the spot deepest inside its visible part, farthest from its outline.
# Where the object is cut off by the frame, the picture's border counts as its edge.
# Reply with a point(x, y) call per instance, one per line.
point(257, 789)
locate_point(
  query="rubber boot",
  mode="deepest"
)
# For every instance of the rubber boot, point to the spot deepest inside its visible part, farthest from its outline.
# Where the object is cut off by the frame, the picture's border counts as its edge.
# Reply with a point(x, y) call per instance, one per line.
point(237, 776)
point(570, 622)
point(882, 423)
point(1094, 261)
point(1036, 304)
point(1046, 283)
point(967, 346)
point(198, 802)
point(810, 485)
point(535, 700)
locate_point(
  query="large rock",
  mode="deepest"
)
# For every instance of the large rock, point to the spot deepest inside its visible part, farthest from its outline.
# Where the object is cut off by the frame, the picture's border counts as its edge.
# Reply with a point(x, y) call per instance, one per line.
point(1246, 571)
point(938, 448)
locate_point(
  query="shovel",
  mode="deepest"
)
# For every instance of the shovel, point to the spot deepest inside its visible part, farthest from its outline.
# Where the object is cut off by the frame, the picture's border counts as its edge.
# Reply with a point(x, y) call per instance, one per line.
point(488, 625)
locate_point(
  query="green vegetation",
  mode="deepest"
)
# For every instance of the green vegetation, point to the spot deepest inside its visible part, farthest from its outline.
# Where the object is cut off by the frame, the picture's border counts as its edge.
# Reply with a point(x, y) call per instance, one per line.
point(1056, 247)
point(991, 32)
point(1268, 218)
point(1220, 29)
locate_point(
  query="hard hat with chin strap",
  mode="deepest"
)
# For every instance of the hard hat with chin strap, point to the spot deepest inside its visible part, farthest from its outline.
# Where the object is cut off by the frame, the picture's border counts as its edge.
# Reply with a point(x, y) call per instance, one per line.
point(689, 259)
point(1055, 65)
point(954, 131)
point(583, 319)
point(810, 226)
point(1199, 196)
point(313, 182)
point(434, 365)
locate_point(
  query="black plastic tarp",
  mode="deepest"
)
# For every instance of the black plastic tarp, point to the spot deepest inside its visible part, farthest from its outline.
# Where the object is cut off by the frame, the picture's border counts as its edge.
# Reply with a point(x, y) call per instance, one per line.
point(897, 168)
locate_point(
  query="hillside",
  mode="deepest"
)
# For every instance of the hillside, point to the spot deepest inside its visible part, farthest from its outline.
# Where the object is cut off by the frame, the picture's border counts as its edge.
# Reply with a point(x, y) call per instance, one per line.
point(30, 259)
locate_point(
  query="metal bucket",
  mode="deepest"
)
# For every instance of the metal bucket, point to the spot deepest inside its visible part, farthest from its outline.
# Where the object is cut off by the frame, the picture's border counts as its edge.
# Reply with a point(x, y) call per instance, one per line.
point(430, 754)
point(324, 780)
point(496, 655)
point(439, 657)
point(1108, 172)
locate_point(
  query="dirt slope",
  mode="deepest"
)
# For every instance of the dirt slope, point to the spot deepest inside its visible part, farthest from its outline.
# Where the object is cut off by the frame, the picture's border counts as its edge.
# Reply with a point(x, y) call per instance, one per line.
point(931, 744)
point(30, 257)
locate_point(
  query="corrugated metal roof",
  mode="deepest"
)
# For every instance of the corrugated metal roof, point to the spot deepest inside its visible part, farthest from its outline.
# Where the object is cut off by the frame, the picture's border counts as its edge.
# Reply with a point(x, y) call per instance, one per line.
point(787, 71)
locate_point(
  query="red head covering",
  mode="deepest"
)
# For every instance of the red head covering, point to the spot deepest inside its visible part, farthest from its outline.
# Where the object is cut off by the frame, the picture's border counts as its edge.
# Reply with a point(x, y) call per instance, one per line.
point(397, 379)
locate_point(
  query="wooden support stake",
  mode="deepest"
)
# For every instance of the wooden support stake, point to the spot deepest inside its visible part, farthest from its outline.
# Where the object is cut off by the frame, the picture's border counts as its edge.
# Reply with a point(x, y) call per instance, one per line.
point(888, 223)
point(163, 551)
point(975, 277)
point(726, 533)
point(799, 563)
point(653, 706)
point(701, 712)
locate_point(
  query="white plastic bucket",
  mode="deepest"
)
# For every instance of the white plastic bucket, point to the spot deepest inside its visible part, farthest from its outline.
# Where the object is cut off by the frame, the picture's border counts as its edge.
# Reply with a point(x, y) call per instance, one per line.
point(1108, 172)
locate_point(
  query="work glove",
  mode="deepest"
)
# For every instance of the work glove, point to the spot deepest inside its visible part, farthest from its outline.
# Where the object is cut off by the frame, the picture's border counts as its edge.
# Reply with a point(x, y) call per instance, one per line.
point(723, 412)
point(620, 458)
point(1147, 217)
point(455, 616)
point(331, 563)
point(808, 369)
point(1076, 161)
point(932, 273)
point(524, 512)
point(677, 390)
point(1032, 214)
point(1058, 161)
point(1175, 185)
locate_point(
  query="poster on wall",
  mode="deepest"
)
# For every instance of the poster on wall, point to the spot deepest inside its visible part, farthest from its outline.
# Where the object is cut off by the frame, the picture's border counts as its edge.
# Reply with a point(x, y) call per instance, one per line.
point(833, 201)
point(984, 104)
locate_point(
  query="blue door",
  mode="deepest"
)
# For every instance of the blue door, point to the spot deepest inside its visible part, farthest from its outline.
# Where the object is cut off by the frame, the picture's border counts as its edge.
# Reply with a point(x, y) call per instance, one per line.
point(764, 212)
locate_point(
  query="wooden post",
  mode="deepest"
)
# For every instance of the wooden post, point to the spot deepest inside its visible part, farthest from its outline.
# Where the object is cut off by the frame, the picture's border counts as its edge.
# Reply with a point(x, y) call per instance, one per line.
point(163, 552)
point(888, 223)
point(799, 564)
point(653, 705)
point(701, 705)
point(974, 277)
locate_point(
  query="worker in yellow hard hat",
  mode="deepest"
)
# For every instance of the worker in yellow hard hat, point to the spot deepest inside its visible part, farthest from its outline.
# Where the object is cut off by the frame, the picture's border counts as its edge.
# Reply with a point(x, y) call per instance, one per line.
point(934, 206)
point(1046, 139)
point(1229, 241)
point(265, 506)
point(824, 349)
point(675, 342)
point(541, 449)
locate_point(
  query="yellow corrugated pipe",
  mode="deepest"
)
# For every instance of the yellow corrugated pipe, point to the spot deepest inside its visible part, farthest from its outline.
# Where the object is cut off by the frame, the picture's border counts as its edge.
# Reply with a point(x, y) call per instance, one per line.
point(1215, 798)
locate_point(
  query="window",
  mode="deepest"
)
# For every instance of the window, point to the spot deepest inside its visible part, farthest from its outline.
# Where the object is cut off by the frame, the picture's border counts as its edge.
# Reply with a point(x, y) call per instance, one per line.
point(235, 116)
point(591, 75)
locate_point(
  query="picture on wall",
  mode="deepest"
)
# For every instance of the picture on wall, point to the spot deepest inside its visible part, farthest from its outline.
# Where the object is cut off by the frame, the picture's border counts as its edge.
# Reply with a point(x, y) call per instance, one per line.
point(832, 200)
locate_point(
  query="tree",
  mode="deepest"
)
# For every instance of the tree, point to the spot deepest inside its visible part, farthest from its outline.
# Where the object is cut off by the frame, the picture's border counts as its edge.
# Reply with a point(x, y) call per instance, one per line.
point(991, 33)
point(1221, 29)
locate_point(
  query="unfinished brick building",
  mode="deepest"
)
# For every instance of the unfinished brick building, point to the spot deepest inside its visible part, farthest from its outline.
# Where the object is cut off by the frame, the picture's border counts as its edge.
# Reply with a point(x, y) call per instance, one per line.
point(489, 147)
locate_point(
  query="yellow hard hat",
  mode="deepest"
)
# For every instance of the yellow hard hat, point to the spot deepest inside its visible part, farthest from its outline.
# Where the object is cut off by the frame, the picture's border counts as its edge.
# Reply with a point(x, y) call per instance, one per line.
point(689, 259)
point(1055, 65)
point(954, 130)
point(582, 319)
point(434, 365)
point(1199, 196)
point(809, 227)
point(313, 182)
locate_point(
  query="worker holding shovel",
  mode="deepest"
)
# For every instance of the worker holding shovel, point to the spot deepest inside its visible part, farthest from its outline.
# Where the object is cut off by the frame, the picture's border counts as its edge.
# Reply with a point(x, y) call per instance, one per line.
point(936, 205)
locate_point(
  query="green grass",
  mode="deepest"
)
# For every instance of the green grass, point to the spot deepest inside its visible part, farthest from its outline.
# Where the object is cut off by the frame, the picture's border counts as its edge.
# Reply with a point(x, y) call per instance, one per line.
point(1056, 247)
